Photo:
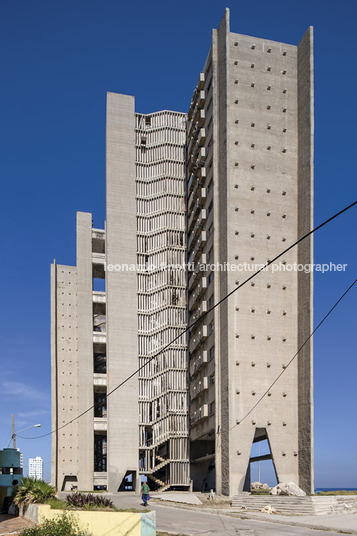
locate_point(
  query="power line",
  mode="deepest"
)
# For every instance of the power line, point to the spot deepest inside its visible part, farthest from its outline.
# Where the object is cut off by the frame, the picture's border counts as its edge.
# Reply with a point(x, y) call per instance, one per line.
point(201, 318)
point(294, 356)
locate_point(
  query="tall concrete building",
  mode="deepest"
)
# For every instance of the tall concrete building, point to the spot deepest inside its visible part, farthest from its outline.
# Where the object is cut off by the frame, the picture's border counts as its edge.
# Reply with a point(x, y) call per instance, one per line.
point(223, 188)
point(36, 468)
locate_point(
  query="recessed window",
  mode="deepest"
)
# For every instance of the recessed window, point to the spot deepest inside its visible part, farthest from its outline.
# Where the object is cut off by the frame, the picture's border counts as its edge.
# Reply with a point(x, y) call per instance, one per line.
point(252, 84)
point(252, 235)
point(284, 110)
point(284, 150)
point(236, 101)
point(283, 193)
point(236, 121)
point(268, 237)
point(284, 53)
point(268, 213)
point(236, 164)
point(252, 258)
point(236, 142)
point(269, 69)
point(236, 186)
point(283, 239)
point(252, 310)
point(236, 233)
point(284, 287)
point(269, 50)
point(252, 188)
point(283, 216)
point(268, 107)
point(252, 66)
point(236, 81)
point(269, 147)
point(252, 167)
point(252, 211)
point(268, 127)
point(268, 192)
point(268, 312)
point(236, 62)
point(268, 285)
point(252, 47)
point(284, 129)
point(236, 257)
point(284, 90)
point(252, 145)
point(268, 339)
point(236, 209)
point(252, 124)
point(236, 44)
point(269, 88)
point(252, 336)
point(283, 72)
point(252, 284)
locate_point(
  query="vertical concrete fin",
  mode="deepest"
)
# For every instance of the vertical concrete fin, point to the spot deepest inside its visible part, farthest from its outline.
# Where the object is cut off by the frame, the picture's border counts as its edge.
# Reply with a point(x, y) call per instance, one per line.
point(305, 256)
point(85, 348)
point(121, 288)
point(220, 56)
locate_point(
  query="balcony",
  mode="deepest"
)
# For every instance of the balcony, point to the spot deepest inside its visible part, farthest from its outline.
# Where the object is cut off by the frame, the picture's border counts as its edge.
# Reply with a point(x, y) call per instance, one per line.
point(198, 225)
point(99, 379)
point(100, 424)
point(195, 275)
point(197, 293)
point(99, 337)
point(197, 159)
point(99, 297)
point(199, 414)
point(199, 202)
point(195, 184)
point(202, 137)
point(202, 309)
point(98, 240)
point(198, 387)
point(199, 245)
point(198, 338)
point(201, 81)
point(199, 121)
point(200, 361)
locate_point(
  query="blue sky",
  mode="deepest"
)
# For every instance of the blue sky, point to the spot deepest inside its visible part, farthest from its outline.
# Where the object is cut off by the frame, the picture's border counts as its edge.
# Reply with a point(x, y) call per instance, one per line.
point(58, 59)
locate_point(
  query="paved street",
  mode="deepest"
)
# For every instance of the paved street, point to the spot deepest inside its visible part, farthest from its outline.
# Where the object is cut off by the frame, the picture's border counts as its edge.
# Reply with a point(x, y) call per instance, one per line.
point(188, 521)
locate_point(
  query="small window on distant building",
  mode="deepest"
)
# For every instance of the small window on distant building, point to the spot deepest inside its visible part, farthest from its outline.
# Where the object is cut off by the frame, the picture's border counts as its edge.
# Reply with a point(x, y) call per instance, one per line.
point(148, 121)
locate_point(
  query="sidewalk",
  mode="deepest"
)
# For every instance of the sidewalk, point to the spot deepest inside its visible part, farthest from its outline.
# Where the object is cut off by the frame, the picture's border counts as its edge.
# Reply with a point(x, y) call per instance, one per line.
point(12, 524)
point(341, 522)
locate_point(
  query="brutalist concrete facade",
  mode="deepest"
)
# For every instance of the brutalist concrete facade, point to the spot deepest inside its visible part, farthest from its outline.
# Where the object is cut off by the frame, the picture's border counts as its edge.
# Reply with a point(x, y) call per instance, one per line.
point(226, 187)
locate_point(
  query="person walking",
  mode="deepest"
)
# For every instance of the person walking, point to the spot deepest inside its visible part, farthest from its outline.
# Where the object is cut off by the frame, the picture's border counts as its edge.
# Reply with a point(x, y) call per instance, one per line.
point(145, 493)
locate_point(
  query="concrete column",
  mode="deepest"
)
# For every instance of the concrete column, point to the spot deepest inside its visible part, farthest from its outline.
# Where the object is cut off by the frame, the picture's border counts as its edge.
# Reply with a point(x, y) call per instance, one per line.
point(121, 289)
point(85, 349)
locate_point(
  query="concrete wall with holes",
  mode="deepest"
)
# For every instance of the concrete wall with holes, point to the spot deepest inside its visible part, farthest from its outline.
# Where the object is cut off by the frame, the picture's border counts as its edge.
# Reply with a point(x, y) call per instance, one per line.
point(64, 365)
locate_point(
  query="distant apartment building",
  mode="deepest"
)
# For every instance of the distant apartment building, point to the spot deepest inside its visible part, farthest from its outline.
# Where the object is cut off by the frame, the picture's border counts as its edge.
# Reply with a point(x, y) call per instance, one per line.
point(193, 202)
point(36, 468)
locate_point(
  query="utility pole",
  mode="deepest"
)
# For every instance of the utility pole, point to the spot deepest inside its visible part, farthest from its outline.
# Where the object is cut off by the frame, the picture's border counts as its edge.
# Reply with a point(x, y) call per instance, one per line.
point(13, 432)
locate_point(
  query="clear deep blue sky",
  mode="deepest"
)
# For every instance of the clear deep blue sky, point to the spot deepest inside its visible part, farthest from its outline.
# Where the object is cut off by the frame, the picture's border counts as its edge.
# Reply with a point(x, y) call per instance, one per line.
point(58, 59)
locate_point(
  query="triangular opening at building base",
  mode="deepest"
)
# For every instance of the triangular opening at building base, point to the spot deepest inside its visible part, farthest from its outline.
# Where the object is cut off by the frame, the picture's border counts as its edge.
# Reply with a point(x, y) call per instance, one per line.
point(261, 466)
